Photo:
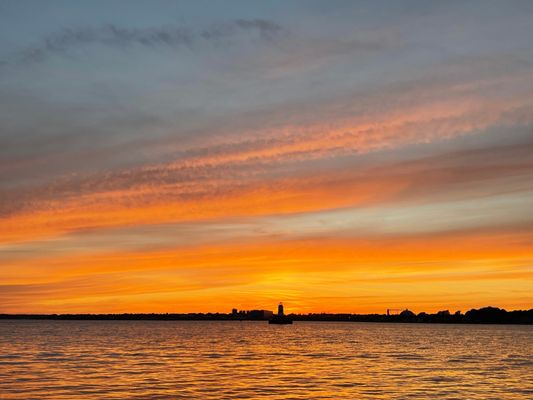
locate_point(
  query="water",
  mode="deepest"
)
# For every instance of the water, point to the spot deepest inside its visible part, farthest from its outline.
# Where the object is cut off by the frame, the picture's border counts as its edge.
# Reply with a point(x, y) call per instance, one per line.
point(226, 360)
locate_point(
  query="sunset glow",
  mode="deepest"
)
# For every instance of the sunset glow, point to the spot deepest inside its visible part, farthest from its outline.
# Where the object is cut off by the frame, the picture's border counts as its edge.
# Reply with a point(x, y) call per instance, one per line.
point(336, 160)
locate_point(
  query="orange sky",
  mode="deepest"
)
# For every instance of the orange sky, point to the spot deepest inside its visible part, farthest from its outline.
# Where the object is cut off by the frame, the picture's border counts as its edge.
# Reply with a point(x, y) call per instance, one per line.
point(337, 167)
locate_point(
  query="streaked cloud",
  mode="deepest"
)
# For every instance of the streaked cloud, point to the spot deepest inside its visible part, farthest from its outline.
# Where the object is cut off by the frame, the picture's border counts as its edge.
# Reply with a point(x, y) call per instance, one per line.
point(112, 35)
point(349, 153)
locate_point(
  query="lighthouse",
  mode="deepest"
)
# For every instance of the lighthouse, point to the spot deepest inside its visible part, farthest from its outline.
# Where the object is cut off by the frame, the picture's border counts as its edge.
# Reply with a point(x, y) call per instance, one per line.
point(280, 318)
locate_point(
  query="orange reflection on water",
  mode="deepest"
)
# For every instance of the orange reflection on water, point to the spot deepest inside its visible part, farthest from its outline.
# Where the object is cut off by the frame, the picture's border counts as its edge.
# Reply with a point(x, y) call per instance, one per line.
point(213, 360)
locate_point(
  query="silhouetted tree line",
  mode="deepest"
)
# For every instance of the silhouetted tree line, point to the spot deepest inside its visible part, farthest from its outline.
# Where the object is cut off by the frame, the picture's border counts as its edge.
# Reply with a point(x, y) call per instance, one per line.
point(486, 315)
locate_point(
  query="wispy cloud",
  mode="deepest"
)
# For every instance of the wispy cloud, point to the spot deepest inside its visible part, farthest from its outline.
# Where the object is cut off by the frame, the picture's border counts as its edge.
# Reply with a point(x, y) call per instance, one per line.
point(265, 149)
point(264, 186)
point(176, 37)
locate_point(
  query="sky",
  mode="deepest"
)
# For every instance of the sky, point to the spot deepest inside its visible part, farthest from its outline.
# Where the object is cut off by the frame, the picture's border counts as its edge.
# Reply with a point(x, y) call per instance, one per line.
point(194, 156)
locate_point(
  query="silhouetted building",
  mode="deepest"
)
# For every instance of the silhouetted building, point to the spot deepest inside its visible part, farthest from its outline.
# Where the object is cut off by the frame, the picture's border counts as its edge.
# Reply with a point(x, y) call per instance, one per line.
point(260, 314)
point(280, 318)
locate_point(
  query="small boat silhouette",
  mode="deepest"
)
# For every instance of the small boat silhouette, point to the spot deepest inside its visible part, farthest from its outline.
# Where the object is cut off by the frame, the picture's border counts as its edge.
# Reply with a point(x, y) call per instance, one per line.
point(280, 318)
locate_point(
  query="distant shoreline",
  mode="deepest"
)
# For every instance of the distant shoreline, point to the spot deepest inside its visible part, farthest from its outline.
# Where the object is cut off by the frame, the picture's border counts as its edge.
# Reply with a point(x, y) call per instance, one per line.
point(487, 315)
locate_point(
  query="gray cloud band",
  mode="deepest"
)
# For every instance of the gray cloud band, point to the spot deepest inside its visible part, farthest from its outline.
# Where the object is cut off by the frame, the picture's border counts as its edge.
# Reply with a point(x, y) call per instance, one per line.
point(121, 37)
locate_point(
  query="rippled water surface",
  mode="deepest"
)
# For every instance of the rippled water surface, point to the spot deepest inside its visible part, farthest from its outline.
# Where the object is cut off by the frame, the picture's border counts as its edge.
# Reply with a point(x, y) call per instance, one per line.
point(205, 360)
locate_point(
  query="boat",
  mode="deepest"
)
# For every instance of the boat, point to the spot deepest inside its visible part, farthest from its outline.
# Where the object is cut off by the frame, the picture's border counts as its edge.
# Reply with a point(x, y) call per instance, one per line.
point(280, 318)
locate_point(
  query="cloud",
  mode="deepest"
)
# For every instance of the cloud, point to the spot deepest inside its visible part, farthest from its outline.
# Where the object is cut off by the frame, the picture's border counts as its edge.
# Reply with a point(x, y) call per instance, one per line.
point(290, 157)
point(355, 149)
point(263, 267)
point(115, 36)
point(261, 187)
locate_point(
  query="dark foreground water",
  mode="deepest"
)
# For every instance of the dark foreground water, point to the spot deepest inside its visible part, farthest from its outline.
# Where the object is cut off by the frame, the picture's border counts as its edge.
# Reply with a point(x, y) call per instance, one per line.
point(226, 360)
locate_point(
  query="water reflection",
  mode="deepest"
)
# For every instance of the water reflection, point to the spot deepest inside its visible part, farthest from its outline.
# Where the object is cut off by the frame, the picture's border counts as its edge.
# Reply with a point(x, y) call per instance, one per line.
point(208, 360)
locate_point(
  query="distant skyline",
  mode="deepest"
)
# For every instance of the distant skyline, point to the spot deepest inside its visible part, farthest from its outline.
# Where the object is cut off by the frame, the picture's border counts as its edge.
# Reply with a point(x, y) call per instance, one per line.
point(195, 156)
